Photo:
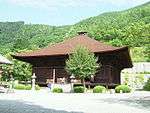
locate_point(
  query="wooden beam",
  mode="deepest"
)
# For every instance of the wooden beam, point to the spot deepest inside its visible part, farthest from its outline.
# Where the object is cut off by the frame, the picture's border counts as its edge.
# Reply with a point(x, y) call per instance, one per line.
point(56, 67)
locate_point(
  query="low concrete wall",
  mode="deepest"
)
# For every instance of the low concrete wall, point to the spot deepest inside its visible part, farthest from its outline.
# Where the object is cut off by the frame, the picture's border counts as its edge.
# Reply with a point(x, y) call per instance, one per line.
point(138, 68)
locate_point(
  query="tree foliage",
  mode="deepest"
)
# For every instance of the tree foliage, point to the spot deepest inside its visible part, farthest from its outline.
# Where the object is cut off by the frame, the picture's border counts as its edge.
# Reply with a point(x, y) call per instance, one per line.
point(18, 70)
point(147, 52)
point(82, 64)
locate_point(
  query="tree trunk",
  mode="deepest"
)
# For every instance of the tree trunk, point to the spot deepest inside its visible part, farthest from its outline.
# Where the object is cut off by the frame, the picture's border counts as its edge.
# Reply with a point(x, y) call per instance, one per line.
point(83, 80)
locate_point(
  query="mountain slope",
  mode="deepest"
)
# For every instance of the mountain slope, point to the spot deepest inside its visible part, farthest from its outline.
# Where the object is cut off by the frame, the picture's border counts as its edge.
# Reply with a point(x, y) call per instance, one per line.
point(117, 25)
point(130, 27)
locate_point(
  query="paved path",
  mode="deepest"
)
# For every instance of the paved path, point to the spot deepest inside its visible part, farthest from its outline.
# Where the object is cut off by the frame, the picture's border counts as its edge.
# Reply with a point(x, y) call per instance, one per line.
point(46, 102)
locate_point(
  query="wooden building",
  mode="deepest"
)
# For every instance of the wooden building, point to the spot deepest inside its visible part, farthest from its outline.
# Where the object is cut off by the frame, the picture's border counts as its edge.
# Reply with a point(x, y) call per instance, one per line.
point(49, 63)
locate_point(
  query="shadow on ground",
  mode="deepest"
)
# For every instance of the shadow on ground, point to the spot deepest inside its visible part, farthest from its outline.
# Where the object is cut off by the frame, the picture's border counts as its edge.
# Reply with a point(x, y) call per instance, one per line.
point(142, 103)
point(15, 106)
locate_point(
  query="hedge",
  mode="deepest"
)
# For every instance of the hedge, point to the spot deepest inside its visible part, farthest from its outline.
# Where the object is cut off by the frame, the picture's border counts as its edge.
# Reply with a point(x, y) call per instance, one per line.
point(57, 90)
point(123, 88)
point(25, 87)
point(79, 89)
point(146, 87)
point(99, 89)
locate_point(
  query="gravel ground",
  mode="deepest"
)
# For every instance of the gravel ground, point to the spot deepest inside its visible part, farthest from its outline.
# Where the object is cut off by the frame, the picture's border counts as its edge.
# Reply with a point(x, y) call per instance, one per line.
point(45, 102)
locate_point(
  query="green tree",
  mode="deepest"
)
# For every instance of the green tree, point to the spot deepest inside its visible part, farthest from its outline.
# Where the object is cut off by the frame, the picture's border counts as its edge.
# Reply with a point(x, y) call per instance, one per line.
point(18, 70)
point(82, 64)
point(147, 52)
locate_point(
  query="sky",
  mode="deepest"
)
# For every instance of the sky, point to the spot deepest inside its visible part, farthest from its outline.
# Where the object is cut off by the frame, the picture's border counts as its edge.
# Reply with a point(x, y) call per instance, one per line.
point(59, 12)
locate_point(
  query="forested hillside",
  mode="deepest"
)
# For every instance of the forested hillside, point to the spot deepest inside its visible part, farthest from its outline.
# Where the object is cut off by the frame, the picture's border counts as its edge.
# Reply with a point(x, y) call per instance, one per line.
point(130, 27)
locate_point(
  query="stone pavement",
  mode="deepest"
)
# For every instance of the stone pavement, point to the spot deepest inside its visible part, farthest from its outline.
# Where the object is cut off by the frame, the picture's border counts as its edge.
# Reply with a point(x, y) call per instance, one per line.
point(44, 101)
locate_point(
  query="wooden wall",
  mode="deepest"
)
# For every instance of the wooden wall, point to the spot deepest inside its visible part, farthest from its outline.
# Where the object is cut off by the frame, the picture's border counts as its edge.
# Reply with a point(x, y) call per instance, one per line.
point(46, 73)
point(106, 74)
point(109, 73)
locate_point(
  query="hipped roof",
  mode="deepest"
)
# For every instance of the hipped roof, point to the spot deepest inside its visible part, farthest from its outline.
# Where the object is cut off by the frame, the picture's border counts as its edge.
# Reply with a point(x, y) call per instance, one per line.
point(67, 47)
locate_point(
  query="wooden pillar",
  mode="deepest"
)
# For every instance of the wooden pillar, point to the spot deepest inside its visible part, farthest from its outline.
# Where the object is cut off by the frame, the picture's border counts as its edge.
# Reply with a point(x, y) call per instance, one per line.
point(110, 74)
point(54, 75)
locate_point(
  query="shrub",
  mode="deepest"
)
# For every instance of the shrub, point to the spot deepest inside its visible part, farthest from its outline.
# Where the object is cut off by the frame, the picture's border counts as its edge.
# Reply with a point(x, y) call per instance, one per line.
point(147, 85)
point(79, 89)
point(124, 88)
point(28, 87)
point(37, 87)
point(57, 90)
point(99, 89)
point(20, 87)
point(25, 87)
